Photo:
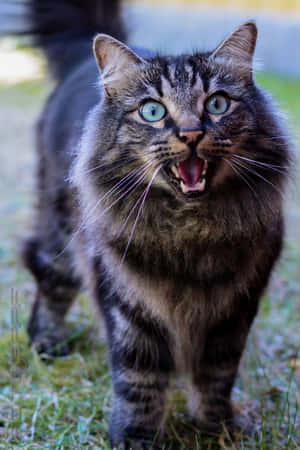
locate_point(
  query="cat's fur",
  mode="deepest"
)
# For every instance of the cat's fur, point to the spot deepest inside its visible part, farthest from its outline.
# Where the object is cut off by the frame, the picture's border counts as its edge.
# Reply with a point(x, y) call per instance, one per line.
point(178, 288)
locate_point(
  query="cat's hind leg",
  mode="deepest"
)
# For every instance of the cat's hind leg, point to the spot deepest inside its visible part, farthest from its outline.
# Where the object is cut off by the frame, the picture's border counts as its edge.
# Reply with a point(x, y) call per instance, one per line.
point(57, 286)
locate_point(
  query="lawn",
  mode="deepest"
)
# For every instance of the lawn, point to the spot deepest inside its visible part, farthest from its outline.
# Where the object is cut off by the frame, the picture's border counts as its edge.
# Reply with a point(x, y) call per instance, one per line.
point(65, 404)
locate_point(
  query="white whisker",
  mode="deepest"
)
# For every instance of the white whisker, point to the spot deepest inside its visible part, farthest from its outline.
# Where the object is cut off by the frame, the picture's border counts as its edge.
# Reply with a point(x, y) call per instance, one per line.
point(129, 178)
point(275, 167)
point(259, 176)
point(126, 180)
point(144, 196)
point(131, 189)
point(242, 176)
point(100, 166)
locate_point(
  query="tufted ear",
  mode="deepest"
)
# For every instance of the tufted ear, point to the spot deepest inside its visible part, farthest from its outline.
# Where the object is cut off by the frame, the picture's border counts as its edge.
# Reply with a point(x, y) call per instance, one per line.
point(239, 46)
point(117, 62)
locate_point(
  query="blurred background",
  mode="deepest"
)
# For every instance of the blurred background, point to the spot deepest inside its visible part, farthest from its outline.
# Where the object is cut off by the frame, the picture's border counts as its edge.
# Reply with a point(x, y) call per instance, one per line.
point(187, 24)
point(168, 26)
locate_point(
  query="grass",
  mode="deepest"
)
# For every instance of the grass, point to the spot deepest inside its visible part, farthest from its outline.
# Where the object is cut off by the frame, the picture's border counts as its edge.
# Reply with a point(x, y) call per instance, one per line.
point(65, 404)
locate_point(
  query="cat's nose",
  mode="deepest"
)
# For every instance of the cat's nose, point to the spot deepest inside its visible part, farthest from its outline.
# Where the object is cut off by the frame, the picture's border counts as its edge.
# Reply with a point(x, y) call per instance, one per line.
point(191, 135)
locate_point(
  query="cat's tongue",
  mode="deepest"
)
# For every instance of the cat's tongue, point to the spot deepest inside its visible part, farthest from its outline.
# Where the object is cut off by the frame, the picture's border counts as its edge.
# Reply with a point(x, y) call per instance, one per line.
point(190, 170)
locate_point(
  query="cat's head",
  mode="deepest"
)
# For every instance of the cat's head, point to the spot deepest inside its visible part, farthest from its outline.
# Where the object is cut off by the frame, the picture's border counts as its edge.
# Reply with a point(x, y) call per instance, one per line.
point(197, 122)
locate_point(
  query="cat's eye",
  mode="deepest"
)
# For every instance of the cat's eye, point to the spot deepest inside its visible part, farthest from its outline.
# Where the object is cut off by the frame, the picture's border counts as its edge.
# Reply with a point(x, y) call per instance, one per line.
point(152, 111)
point(217, 104)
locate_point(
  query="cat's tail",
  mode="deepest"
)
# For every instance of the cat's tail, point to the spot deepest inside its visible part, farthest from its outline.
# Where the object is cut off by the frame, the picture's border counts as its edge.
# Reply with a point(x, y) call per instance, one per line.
point(63, 29)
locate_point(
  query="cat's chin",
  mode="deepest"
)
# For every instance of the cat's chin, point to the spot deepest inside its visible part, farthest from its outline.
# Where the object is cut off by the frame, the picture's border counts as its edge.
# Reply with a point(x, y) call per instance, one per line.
point(192, 196)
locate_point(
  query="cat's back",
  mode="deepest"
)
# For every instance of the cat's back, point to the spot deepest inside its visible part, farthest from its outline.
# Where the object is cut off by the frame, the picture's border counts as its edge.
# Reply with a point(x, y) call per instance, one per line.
point(62, 121)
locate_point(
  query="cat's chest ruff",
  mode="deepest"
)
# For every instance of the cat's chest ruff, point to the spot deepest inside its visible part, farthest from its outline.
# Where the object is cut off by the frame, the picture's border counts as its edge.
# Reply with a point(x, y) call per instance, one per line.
point(164, 295)
point(180, 307)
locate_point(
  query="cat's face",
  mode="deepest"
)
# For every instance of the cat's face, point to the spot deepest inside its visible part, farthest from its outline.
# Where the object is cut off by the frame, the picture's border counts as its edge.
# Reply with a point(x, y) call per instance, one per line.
point(191, 116)
point(188, 117)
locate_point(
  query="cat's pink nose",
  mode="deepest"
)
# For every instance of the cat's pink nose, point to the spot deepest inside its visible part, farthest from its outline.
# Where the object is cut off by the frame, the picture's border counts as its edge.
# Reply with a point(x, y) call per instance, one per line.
point(190, 136)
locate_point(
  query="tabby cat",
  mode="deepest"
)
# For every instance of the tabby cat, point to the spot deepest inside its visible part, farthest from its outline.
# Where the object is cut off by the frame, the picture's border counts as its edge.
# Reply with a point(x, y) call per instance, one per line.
point(160, 190)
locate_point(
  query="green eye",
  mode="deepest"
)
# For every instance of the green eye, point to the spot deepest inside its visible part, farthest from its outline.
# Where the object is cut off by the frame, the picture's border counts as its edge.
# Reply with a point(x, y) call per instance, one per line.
point(152, 111)
point(217, 104)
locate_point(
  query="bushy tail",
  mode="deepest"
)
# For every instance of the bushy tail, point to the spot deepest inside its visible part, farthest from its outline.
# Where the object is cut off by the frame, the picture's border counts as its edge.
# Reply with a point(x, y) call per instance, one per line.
point(63, 29)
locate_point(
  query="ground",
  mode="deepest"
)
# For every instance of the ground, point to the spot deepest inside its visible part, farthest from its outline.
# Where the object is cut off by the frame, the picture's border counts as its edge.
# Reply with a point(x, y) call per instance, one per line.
point(65, 404)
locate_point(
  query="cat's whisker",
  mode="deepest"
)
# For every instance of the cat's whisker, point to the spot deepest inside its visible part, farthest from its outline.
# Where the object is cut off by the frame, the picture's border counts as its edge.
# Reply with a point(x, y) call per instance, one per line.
point(116, 177)
point(127, 183)
point(254, 172)
point(129, 215)
point(260, 162)
point(275, 167)
point(115, 188)
point(242, 176)
point(280, 137)
point(132, 188)
point(122, 161)
point(133, 173)
point(101, 164)
point(143, 199)
point(125, 180)
point(262, 167)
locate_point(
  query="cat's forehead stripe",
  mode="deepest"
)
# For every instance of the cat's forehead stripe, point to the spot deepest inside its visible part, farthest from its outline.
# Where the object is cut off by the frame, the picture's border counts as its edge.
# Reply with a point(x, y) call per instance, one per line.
point(188, 69)
point(166, 86)
point(193, 71)
point(181, 72)
point(194, 84)
point(171, 75)
point(154, 90)
point(214, 84)
point(198, 83)
point(192, 63)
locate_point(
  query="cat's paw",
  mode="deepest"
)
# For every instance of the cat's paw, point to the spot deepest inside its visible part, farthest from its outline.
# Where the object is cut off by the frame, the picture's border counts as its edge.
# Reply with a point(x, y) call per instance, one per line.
point(133, 441)
point(47, 336)
point(234, 428)
point(48, 346)
point(212, 426)
point(243, 427)
point(49, 343)
point(134, 444)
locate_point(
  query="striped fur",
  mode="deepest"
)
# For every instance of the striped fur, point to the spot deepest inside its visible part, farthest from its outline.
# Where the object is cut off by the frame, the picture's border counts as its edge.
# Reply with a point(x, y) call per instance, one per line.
point(177, 280)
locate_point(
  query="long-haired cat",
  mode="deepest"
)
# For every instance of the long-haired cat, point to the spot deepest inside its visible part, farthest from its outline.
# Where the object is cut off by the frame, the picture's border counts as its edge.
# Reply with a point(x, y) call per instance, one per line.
point(173, 215)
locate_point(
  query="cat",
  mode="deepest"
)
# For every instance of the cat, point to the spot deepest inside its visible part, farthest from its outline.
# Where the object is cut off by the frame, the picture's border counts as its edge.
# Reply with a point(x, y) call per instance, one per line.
point(160, 184)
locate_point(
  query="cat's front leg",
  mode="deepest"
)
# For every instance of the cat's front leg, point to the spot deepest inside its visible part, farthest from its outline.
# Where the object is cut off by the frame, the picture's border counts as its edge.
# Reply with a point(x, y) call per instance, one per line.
point(141, 363)
point(214, 374)
point(57, 286)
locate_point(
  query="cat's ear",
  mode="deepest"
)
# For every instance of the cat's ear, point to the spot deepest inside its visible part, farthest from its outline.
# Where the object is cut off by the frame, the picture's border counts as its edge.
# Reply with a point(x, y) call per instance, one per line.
point(239, 47)
point(117, 63)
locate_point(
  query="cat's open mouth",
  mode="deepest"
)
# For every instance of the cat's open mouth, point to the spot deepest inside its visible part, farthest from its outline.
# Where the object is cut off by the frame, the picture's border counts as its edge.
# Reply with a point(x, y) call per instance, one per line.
point(189, 175)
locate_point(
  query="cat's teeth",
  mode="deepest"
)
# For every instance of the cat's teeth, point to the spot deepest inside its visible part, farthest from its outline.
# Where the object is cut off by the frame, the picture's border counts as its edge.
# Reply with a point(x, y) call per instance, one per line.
point(198, 187)
point(184, 187)
point(202, 184)
point(175, 171)
point(204, 168)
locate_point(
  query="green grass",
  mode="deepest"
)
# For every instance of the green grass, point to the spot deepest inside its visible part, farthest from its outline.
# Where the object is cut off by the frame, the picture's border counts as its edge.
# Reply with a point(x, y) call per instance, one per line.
point(65, 404)
point(286, 91)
